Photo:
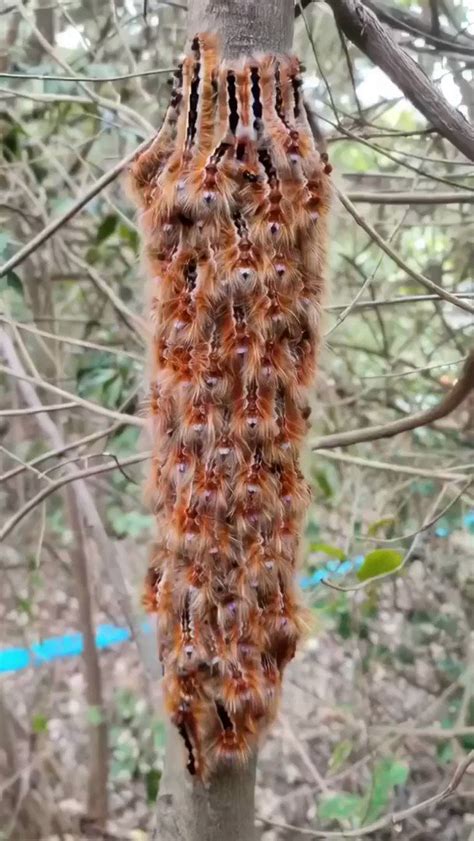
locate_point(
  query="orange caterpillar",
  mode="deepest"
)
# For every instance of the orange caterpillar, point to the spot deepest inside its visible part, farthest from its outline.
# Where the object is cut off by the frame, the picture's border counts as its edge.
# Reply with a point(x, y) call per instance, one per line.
point(234, 197)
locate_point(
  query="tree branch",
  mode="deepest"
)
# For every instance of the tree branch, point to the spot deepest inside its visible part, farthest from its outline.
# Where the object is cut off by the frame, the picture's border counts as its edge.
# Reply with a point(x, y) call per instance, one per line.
point(399, 18)
point(89, 79)
point(462, 388)
point(375, 236)
point(132, 420)
point(372, 464)
point(52, 407)
point(390, 302)
point(362, 27)
point(406, 21)
point(58, 223)
point(411, 198)
point(392, 820)
point(71, 476)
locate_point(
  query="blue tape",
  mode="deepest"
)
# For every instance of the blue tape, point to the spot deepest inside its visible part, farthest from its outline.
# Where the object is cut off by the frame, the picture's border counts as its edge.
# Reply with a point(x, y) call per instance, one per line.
point(71, 645)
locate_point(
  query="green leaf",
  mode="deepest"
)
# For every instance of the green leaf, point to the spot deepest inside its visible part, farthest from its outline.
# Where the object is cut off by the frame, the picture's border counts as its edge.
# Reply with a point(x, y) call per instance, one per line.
point(113, 390)
point(95, 716)
point(445, 752)
point(344, 624)
point(378, 525)
point(379, 562)
point(13, 282)
point(125, 441)
point(388, 773)
point(129, 523)
point(97, 376)
point(329, 550)
point(159, 735)
point(24, 605)
point(341, 752)
point(39, 723)
point(451, 667)
point(340, 807)
point(129, 235)
point(322, 480)
point(61, 204)
point(10, 141)
point(106, 227)
point(152, 781)
point(312, 529)
point(424, 487)
point(405, 654)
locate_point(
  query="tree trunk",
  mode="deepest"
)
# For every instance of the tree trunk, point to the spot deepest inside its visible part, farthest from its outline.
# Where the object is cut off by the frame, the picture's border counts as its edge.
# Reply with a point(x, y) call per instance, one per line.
point(188, 810)
point(97, 799)
point(223, 810)
point(245, 26)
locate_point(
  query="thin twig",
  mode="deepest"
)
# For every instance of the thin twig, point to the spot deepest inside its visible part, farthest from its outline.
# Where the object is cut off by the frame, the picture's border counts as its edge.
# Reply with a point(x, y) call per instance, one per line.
point(441, 475)
point(363, 28)
point(457, 394)
point(64, 480)
point(426, 732)
point(410, 198)
point(91, 79)
point(394, 819)
point(408, 554)
point(375, 236)
point(69, 214)
point(424, 526)
point(132, 420)
point(133, 117)
point(69, 340)
point(73, 445)
point(390, 302)
point(54, 407)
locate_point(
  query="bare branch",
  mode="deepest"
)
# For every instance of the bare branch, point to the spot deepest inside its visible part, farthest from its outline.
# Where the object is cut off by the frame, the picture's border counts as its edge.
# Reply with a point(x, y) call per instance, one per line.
point(113, 558)
point(53, 407)
point(363, 28)
point(69, 340)
point(411, 198)
point(58, 223)
point(34, 501)
point(450, 402)
point(390, 302)
point(426, 732)
point(91, 79)
point(133, 117)
point(399, 18)
point(375, 236)
point(132, 420)
point(72, 445)
point(133, 321)
point(372, 464)
point(395, 818)
point(427, 523)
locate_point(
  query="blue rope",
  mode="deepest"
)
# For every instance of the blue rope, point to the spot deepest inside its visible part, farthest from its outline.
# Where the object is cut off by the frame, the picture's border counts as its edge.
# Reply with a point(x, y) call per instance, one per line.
point(71, 645)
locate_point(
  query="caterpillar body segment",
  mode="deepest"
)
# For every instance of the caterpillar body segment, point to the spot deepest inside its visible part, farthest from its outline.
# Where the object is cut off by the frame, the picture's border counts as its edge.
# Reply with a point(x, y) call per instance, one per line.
point(233, 198)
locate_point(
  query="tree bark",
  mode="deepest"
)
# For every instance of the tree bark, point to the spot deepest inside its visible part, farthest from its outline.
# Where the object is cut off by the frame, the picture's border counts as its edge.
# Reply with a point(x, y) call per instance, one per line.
point(245, 26)
point(97, 798)
point(223, 810)
point(188, 810)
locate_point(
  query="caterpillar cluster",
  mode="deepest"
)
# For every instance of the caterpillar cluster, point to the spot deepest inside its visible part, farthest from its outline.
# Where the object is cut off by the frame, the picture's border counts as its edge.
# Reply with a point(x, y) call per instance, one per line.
point(233, 196)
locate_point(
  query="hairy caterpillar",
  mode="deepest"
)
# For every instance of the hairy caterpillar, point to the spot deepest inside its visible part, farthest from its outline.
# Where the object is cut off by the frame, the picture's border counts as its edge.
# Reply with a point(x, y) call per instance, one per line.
point(233, 196)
